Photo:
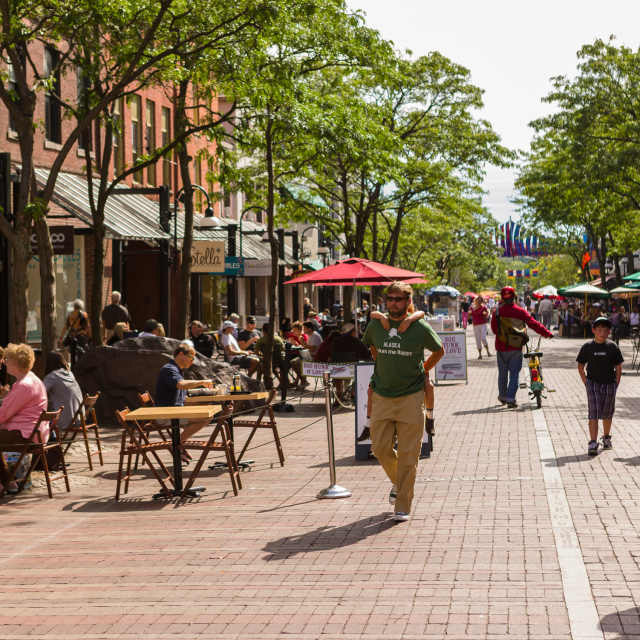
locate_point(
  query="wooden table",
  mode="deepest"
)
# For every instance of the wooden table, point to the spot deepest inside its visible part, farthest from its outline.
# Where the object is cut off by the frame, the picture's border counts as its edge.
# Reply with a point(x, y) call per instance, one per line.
point(229, 397)
point(174, 414)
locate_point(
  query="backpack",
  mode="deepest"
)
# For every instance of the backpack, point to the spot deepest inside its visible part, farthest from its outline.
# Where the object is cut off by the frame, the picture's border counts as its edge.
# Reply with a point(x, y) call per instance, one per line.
point(509, 334)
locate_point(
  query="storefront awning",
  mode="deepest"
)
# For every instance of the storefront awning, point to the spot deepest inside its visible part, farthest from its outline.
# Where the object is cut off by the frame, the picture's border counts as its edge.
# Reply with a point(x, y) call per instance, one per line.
point(136, 217)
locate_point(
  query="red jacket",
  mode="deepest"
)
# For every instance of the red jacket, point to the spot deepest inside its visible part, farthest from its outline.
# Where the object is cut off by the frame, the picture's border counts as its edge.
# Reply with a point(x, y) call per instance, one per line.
point(514, 311)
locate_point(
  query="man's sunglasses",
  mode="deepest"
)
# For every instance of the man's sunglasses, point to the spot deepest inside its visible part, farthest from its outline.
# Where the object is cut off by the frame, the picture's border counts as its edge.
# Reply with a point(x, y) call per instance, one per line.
point(396, 298)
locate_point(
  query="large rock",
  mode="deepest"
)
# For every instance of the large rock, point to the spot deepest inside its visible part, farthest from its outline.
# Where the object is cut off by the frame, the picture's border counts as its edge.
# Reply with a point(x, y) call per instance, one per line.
point(131, 366)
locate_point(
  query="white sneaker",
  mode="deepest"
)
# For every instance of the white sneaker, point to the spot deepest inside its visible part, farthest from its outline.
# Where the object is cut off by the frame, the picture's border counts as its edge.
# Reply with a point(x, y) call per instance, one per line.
point(393, 494)
point(401, 516)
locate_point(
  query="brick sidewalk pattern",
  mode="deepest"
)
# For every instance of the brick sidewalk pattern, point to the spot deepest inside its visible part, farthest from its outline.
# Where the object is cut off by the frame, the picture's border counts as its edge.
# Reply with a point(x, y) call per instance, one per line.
point(477, 559)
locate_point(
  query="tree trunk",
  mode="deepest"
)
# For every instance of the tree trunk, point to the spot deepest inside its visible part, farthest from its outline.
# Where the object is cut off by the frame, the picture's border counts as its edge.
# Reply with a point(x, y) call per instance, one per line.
point(616, 266)
point(347, 303)
point(631, 262)
point(20, 285)
point(267, 369)
point(47, 289)
point(98, 276)
point(187, 243)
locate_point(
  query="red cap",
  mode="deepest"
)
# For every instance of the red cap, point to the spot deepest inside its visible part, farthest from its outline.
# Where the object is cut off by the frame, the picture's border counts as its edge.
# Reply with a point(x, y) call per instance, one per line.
point(507, 292)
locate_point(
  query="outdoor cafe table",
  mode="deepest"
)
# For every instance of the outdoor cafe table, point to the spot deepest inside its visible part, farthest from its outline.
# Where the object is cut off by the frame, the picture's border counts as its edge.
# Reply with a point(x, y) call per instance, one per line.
point(174, 414)
point(229, 397)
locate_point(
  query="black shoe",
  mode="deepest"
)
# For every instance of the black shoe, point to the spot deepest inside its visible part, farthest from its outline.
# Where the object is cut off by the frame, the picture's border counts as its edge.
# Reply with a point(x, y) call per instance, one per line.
point(502, 401)
point(512, 405)
point(366, 435)
point(606, 443)
point(429, 426)
point(593, 448)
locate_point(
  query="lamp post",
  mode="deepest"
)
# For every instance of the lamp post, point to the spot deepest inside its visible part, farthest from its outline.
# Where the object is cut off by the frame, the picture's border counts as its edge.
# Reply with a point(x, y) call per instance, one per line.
point(242, 216)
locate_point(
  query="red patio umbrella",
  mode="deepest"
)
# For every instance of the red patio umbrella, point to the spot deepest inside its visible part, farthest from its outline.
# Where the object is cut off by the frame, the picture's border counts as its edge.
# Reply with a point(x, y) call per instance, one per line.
point(470, 294)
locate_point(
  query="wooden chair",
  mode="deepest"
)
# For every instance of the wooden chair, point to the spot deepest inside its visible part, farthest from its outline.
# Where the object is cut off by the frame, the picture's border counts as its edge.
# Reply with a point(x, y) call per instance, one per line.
point(87, 408)
point(37, 448)
point(222, 354)
point(260, 423)
point(146, 401)
point(206, 446)
point(139, 445)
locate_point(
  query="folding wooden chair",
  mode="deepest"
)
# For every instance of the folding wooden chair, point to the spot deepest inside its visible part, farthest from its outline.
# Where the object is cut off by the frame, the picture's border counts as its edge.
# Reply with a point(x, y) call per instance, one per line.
point(226, 445)
point(260, 423)
point(146, 401)
point(38, 449)
point(139, 444)
point(87, 408)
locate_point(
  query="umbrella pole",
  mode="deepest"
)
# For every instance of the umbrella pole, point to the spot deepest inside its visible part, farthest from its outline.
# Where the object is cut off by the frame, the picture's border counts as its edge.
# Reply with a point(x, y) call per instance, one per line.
point(354, 301)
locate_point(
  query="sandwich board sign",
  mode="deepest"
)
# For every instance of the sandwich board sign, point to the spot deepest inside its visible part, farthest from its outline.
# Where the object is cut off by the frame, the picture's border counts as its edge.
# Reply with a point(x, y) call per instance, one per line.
point(453, 365)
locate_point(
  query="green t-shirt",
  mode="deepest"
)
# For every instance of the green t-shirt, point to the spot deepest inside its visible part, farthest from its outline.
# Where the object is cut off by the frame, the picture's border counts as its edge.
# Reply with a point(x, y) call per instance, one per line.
point(398, 371)
point(278, 347)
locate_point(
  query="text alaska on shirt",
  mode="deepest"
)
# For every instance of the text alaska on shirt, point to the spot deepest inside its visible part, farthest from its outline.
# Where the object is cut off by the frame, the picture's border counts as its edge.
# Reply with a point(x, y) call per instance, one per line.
point(393, 348)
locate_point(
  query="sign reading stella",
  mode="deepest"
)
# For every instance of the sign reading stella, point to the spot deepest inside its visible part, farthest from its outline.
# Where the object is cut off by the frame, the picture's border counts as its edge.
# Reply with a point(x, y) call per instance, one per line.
point(207, 256)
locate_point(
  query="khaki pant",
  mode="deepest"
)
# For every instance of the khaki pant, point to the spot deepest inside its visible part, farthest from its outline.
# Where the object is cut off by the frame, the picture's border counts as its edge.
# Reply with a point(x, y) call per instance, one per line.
point(400, 419)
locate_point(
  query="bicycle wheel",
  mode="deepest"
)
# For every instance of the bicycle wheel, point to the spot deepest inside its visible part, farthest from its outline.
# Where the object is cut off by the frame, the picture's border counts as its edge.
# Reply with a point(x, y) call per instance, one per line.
point(538, 396)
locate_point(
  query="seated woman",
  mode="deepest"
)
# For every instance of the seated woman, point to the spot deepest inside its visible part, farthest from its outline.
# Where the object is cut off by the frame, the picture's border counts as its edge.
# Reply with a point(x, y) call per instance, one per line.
point(22, 406)
point(118, 330)
point(62, 388)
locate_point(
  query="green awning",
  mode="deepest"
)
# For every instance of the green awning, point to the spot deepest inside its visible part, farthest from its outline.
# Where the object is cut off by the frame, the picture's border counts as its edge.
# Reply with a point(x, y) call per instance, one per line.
point(297, 192)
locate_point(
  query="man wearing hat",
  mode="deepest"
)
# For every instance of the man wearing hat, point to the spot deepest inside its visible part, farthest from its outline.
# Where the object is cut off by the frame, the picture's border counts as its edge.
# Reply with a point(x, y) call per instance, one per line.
point(603, 360)
point(507, 319)
point(236, 355)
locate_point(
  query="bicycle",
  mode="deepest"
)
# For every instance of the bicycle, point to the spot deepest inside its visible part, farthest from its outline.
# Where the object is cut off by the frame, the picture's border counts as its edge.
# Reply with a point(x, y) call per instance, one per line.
point(536, 381)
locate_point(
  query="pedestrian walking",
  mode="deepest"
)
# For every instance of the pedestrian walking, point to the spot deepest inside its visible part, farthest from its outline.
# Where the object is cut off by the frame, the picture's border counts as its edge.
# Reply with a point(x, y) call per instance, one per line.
point(78, 332)
point(603, 360)
point(508, 323)
point(464, 313)
point(480, 317)
point(112, 314)
point(545, 308)
point(397, 412)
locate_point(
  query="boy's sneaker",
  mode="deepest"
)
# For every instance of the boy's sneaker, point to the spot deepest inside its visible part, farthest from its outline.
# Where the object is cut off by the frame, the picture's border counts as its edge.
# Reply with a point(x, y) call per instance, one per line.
point(606, 443)
point(512, 405)
point(400, 516)
point(593, 448)
point(430, 426)
point(393, 494)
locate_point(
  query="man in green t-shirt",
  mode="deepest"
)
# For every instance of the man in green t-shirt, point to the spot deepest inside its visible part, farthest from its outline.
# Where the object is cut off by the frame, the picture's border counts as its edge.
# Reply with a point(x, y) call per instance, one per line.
point(397, 412)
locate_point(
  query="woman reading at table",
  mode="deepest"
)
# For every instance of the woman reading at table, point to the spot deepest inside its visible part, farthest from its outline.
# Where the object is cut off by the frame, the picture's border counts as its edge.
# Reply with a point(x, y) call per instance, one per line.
point(171, 391)
point(22, 406)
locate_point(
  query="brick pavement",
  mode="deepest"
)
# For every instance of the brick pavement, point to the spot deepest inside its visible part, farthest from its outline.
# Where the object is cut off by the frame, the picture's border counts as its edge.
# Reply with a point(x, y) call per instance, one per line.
point(477, 560)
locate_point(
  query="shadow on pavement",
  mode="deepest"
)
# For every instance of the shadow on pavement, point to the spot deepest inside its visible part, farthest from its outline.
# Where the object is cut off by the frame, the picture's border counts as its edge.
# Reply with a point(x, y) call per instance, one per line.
point(630, 462)
point(327, 538)
point(626, 624)
point(563, 460)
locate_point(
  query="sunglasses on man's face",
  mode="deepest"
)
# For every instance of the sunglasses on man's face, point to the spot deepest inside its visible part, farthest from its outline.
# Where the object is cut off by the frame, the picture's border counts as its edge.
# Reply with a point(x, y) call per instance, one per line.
point(395, 298)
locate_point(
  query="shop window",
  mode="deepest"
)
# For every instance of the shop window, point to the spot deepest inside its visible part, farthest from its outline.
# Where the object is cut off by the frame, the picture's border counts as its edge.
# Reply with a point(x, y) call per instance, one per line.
point(166, 160)
point(13, 89)
point(150, 140)
point(52, 121)
point(118, 141)
point(136, 134)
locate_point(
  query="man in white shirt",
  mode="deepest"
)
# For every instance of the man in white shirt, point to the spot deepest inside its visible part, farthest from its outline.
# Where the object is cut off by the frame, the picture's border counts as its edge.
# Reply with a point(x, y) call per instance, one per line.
point(634, 319)
point(546, 308)
point(315, 339)
point(235, 355)
point(491, 303)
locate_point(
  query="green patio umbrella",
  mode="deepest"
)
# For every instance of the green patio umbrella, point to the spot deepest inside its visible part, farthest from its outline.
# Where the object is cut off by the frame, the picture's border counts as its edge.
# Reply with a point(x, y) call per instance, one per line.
point(632, 276)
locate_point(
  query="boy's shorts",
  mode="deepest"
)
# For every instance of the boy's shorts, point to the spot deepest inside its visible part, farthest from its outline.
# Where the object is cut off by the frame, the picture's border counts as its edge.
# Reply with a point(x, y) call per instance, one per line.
point(601, 399)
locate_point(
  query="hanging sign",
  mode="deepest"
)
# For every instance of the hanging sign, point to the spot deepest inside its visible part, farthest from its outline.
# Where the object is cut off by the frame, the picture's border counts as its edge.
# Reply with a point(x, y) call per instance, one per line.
point(453, 365)
point(61, 239)
point(233, 266)
point(207, 256)
point(253, 268)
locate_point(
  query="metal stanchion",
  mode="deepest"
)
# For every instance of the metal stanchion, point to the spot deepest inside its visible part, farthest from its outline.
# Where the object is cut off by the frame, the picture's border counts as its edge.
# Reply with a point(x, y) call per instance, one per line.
point(334, 491)
point(283, 405)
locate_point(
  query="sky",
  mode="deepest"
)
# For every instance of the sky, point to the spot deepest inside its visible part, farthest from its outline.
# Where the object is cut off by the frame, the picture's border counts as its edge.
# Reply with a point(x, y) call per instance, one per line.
point(512, 48)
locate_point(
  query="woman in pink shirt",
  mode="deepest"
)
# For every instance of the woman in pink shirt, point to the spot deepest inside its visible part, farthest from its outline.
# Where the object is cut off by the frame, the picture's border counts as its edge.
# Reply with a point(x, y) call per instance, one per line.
point(22, 405)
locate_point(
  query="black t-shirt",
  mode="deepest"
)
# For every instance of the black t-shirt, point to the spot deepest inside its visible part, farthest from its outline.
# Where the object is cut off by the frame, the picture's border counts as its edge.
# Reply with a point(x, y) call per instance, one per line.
point(601, 359)
point(464, 306)
point(114, 313)
point(204, 344)
point(245, 335)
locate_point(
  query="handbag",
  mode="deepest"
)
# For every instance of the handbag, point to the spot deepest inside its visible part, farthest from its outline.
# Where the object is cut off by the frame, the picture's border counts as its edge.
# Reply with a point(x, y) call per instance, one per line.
point(511, 336)
point(67, 340)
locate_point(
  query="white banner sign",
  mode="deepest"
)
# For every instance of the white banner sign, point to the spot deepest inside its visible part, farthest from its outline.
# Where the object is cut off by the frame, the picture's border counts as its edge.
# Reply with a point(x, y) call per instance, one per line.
point(207, 256)
point(453, 365)
point(316, 369)
point(253, 268)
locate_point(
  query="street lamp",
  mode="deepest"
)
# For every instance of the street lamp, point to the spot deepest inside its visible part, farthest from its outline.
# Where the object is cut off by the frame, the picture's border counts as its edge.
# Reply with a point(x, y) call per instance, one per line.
point(242, 216)
point(209, 221)
point(322, 250)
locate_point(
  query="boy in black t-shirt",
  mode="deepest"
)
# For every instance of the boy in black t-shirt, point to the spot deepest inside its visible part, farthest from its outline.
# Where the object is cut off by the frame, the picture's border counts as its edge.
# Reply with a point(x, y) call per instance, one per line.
point(604, 369)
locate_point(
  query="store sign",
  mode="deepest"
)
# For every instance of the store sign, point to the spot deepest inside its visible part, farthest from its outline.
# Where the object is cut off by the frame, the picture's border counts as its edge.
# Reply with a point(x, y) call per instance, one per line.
point(316, 369)
point(233, 266)
point(453, 365)
point(61, 239)
point(254, 268)
point(207, 256)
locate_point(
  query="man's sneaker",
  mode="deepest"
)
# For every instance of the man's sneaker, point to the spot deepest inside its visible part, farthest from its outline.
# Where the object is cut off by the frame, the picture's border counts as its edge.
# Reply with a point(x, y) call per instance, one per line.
point(365, 435)
point(430, 426)
point(503, 401)
point(512, 405)
point(400, 516)
point(393, 494)
point(606, 443)
point(593, 448)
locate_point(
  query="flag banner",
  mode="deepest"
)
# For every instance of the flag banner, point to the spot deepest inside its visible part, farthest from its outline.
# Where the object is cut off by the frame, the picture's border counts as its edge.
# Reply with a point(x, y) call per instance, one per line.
point(510, 273)
point(586, 259)
point(518, 273)
point(509, 239)
point(527, 273)
point(534, 273)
